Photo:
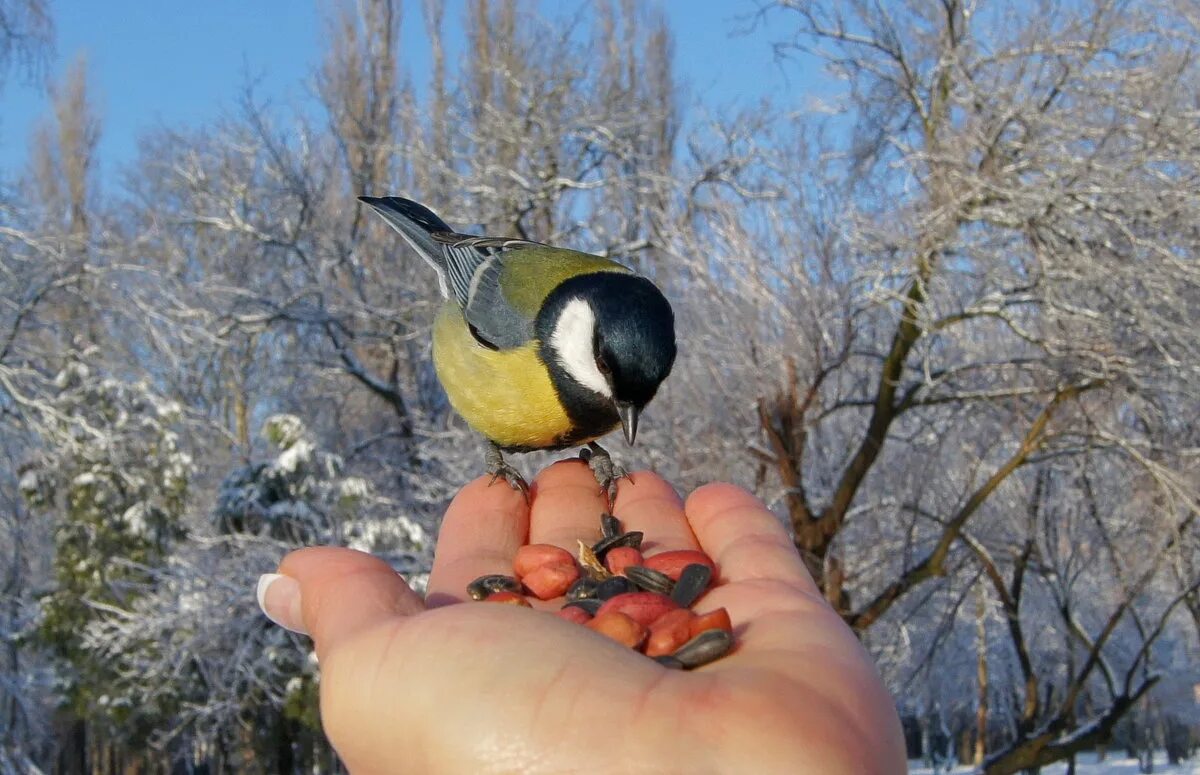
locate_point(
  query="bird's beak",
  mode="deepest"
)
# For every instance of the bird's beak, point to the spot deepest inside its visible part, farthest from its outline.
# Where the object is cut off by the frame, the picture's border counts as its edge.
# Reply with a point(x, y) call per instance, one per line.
point(629, 419)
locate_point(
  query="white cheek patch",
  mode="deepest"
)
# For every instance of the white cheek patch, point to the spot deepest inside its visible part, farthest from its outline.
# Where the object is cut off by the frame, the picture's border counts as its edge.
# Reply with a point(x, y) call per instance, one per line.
point(571, 342)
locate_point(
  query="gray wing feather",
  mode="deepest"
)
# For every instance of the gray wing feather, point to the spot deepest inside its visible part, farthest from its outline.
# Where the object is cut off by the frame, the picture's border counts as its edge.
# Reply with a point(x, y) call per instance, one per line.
point(490, 314)
point(468, 267)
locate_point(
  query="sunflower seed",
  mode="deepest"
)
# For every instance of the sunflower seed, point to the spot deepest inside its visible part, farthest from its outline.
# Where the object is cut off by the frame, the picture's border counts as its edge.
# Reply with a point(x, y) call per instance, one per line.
point(704, 648)
point(617, 585)
point(650, 580)
point(589, 604)
point(483, 586)
point(632, 538)
point(585, 587)
point(691, 585)
point(666, 660)
point(609, 525)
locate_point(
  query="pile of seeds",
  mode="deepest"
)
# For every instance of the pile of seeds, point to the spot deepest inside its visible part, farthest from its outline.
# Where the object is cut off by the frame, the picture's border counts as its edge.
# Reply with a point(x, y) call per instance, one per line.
point(642, 602)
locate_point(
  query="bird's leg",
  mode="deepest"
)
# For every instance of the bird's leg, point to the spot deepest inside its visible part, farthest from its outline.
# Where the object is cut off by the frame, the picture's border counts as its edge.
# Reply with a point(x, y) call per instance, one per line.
point(496, 466)
point(607, 472)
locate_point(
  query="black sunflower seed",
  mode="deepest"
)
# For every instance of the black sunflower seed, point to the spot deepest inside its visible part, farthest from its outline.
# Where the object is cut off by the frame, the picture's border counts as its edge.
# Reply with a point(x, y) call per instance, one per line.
point(483, 586)
point(632, 538)
point(704, 648)
point(691, 585)
point(666, 660)
point(609, 525)
point(650, 580)
point(585, 587)
point(611, 587)
point(589, 604)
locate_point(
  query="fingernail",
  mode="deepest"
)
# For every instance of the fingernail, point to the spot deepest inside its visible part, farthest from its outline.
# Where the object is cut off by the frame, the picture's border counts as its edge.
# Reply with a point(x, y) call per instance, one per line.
point(279, 598)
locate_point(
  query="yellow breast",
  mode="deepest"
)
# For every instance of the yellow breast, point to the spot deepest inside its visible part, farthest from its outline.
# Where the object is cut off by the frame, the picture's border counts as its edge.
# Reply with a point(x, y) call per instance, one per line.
point(506, 395)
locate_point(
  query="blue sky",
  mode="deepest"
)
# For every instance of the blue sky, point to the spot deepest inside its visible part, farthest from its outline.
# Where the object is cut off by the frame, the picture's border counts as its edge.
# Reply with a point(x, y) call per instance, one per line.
point(181, 63)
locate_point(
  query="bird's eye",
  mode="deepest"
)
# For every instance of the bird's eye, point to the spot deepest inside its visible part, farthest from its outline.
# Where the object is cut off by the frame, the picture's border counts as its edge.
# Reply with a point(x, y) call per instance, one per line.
point(598, 349)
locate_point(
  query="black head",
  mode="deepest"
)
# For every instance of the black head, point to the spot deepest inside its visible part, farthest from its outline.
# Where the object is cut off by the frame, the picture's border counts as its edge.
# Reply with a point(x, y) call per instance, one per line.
point(634, 340)
point(609, 339)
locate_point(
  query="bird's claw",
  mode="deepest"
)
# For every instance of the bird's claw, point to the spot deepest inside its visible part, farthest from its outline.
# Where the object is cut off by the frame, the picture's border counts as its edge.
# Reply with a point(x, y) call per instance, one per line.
point(502, 470)
point(513, 477)
point(606, 471)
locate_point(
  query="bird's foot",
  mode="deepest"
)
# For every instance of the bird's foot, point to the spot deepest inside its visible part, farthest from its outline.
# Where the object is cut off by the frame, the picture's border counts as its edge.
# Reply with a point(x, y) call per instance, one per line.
point(502, 470)
point(607, 472)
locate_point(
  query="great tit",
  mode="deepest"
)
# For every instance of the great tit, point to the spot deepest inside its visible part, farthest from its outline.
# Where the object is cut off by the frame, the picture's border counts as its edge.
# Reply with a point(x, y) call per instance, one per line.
point(539, 347)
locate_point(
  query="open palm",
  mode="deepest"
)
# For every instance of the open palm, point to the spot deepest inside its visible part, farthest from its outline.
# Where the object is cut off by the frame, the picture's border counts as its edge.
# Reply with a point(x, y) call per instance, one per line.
point(412, 685)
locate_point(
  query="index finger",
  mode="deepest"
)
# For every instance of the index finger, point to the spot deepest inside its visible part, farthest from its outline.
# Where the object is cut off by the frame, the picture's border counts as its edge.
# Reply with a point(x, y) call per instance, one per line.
point(483, 528)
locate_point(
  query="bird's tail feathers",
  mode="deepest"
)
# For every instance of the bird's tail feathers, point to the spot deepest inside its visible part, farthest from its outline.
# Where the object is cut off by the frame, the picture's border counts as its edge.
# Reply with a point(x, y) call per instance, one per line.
point(416, 223)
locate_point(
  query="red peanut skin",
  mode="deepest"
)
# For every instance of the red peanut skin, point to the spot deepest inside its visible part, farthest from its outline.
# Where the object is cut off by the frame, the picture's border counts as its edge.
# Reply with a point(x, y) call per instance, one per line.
point(672, 563)
point(643, 607)
point(504, 596)
point(619, 627)
point(713, 620)
point(574, 614)
point(550, 581)
point(669, 632)
point(533, 556)
point(620, 558)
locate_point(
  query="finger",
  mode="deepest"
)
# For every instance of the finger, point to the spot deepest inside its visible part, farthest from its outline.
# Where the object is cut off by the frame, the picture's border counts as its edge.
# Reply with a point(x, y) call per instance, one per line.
point(647, 503)
point(341, 592)
point(481, 532)
point(567, 504)
point(745, 539)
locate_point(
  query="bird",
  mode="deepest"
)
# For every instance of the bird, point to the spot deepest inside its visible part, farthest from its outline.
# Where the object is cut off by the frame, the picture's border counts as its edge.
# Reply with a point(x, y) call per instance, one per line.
point(539, 347)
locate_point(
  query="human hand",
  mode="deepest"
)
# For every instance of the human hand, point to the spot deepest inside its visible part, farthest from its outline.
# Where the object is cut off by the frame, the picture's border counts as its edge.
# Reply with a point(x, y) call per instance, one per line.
point(412, 685)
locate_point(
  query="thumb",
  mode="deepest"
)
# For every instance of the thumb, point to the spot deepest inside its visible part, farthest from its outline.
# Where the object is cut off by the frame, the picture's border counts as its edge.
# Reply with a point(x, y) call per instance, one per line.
point(332, 594)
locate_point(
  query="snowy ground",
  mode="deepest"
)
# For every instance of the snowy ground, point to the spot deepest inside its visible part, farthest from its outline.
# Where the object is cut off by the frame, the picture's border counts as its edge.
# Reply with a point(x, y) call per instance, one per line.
point(1086, 764)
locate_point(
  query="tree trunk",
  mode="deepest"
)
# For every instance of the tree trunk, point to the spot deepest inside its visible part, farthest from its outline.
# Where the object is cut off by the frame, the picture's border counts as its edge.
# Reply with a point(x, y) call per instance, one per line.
point(981, 708)
point(73, 755)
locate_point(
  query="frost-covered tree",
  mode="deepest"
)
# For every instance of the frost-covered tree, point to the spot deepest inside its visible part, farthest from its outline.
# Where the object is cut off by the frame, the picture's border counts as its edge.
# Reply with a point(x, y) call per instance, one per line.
point(241, 689)
point(303, 495)
point(1003, 292)
point(112, 478)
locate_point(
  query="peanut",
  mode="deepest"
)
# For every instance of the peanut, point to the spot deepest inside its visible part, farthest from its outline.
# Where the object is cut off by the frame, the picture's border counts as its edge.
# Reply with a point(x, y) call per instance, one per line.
point(533, 556)
point(673, 562)
point(549, 581)
point(621, 557)
point(713, 620)
point(512, 598)
point(642, 607)
point(669, 632)
point(619, 627)
point(574, 614)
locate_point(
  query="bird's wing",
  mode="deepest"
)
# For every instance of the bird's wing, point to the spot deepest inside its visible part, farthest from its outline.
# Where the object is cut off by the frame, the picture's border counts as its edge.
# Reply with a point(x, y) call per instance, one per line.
point(494, 320)
point(510, 285)
point(465, 256)
point(499, 282)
